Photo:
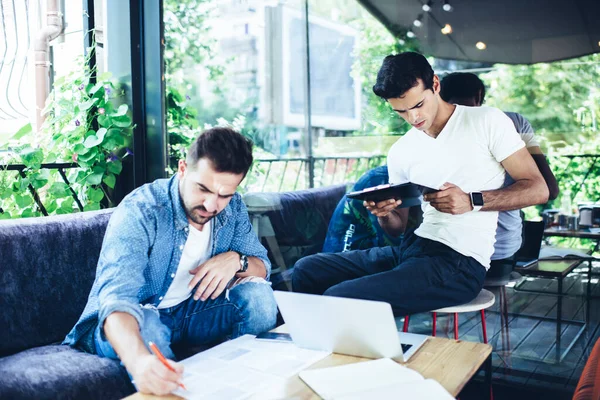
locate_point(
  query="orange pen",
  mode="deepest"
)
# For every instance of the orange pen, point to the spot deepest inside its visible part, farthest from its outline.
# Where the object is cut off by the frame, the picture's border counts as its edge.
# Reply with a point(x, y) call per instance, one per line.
point(154, 349)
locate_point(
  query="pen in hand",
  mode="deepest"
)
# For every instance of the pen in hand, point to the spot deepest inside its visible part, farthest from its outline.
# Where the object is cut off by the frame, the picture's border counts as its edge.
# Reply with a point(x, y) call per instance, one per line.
point(154, 349)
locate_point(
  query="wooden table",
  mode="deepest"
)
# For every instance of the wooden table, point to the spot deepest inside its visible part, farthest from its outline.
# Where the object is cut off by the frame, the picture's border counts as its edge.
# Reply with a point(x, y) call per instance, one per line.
point(452, 363)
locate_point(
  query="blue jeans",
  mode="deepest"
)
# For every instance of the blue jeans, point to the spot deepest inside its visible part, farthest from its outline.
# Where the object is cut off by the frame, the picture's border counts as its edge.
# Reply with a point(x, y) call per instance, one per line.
point(419, 275)
point(250, 309)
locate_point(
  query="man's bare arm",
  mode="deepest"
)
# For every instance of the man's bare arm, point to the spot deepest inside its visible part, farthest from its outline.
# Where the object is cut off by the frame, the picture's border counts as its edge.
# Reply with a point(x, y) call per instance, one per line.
point(150, 375)
point(391, 218)
point(529, 187)
point(394, 224)
point(542, 164)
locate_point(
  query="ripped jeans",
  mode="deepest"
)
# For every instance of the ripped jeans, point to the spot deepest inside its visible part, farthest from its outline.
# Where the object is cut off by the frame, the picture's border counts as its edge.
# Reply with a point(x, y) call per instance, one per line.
point(247, 308)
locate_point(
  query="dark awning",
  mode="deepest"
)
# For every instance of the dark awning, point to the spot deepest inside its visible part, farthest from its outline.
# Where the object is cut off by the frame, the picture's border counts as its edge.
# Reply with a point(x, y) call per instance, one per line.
point(514, 31)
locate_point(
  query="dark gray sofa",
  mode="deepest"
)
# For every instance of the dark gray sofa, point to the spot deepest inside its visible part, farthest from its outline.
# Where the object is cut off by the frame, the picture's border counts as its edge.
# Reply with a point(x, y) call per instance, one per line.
point(48, 266)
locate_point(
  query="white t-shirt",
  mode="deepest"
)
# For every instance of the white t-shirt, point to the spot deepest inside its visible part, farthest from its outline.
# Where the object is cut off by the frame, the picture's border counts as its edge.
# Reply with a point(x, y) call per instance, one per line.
point(508, 234)
point(195, 252)
point(467, 153)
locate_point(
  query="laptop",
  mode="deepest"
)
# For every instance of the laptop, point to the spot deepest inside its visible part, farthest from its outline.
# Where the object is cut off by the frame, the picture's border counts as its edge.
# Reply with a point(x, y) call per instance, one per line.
point(529, 253)
point(361, 328)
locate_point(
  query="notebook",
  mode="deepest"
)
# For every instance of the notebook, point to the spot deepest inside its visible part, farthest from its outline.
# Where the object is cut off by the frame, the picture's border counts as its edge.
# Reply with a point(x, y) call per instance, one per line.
point(377, 379)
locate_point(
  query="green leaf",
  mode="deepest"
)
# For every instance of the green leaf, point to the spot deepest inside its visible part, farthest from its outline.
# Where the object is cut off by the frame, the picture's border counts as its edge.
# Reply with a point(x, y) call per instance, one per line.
point(23, 201)
point(104, 120)
point(115, 167)
point(87, 104)
point(92, 141)
point(6, 193)
point(28, 212)
point(67, 205)
point(51, 158)
point(51, 207)
point(100, 134)
point(123, 121)
point(80, 149)
point(23, 184)
point(38, 181)
point(31, 157)
point(121, 111)
point(95, 195)
point(91, 207)
point(109, 144)
point(86, 157)
point(59, 189)
point(96, 87)
point(26, 129)
point(95, 178)
point(110, 180)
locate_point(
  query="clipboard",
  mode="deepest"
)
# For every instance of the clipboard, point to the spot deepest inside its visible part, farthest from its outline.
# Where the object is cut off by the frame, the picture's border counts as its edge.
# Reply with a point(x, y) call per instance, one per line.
point(409, 193)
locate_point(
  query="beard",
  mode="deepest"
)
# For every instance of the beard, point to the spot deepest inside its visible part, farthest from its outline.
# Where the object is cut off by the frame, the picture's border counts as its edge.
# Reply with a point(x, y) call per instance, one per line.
point(192, 214)
point(197, 218)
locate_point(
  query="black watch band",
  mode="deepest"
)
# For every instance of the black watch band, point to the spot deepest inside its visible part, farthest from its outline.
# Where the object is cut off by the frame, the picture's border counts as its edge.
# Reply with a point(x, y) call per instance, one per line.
point(243, 262)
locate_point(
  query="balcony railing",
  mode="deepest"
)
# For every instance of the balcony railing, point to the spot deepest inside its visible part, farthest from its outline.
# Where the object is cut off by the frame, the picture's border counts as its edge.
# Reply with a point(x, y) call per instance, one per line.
point(285, 174)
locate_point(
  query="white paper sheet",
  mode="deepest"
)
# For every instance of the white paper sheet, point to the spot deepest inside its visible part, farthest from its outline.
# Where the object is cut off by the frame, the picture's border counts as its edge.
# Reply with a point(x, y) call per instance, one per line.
point(377, 379)
point(241, 367)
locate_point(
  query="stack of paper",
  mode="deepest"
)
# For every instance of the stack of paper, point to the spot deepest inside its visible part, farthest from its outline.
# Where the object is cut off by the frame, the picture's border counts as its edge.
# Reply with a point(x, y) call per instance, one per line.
point(241, 367)
point(378, 379)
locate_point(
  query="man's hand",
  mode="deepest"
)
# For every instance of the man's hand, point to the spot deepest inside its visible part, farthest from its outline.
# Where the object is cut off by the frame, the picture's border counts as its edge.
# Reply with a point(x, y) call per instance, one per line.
point(214, 275)
point(152, 376)
point(450, 199)
point(383, 208)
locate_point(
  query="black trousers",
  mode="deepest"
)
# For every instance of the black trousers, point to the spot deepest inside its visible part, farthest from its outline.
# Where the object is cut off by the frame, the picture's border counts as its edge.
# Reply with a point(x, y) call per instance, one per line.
point(419, 275)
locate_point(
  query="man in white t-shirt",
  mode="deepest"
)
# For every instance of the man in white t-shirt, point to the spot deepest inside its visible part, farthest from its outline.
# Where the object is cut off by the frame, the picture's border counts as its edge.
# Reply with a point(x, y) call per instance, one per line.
point(468, 90)
point(463, 152)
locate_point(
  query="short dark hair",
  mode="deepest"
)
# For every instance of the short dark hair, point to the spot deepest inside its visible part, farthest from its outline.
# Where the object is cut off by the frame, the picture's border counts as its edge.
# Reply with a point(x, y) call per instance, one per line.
point(399, 73)
point(462, 85)
point(227, 150)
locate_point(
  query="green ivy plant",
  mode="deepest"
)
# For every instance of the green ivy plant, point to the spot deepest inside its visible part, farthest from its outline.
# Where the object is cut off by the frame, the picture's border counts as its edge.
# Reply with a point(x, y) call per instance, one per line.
point(85, 124)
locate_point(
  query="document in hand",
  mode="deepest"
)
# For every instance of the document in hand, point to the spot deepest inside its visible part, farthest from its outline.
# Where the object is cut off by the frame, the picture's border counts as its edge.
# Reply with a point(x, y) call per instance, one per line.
point(376, 379)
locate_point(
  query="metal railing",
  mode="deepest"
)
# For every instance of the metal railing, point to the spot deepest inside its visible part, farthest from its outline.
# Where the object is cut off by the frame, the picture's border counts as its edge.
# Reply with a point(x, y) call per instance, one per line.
point(284, 174)
point(280, 174)
point(60, 167)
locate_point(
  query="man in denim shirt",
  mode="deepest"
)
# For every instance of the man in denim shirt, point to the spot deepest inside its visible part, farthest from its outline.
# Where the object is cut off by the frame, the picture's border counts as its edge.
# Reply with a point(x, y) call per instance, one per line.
point(180, 264)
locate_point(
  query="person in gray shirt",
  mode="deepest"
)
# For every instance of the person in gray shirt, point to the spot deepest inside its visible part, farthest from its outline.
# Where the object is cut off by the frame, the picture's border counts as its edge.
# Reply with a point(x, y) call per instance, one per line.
point(468, 90)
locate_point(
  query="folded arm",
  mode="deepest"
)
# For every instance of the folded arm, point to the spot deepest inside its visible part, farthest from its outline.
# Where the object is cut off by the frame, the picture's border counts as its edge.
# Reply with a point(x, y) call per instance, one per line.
point(529, 188)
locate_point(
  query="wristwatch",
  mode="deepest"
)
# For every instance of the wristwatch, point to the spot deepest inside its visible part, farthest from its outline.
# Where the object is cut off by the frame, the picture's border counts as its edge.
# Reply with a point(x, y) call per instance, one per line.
point(476, 200)
point(243, 262)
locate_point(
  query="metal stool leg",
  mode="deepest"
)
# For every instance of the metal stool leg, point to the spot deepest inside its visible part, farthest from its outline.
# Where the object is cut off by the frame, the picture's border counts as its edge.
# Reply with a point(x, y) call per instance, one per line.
point(433, 329)
point(406, 319)
point(483, 327)
point(455, 326)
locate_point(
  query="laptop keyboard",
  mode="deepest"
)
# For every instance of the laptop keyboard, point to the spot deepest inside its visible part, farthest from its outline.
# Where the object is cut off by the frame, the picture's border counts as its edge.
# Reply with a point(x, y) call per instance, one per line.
point(405, 347)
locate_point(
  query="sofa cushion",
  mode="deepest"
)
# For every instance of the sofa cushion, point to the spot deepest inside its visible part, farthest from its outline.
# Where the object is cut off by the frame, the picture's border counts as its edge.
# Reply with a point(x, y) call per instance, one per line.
point(48, 267)
point(61, 372)
point(303, 215)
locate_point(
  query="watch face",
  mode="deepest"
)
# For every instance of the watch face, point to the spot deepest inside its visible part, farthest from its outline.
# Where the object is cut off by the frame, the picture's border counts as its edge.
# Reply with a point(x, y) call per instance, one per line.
point(477, 198)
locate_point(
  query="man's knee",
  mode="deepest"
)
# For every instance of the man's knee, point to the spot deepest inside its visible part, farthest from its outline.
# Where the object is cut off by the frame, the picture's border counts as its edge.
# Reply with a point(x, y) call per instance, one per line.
point(344, 289)
point(301, 275)
point(153, 330)
point(256, 304)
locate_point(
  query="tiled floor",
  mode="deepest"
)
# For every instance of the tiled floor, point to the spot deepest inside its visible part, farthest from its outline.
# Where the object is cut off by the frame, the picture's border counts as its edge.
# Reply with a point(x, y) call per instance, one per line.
point(525, 357)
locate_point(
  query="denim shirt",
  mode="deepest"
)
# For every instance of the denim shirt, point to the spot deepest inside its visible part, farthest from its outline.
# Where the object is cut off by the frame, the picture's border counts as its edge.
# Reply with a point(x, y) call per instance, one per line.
point(141, 252)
